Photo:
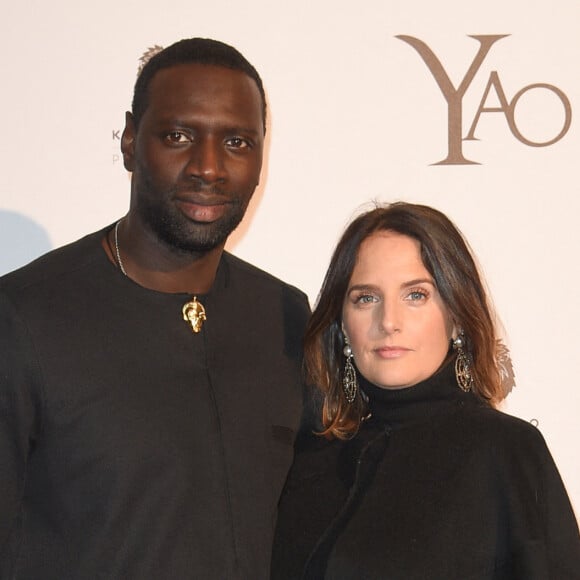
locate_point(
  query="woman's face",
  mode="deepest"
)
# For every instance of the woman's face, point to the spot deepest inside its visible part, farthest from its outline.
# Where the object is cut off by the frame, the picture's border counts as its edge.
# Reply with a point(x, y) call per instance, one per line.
point(396, 322)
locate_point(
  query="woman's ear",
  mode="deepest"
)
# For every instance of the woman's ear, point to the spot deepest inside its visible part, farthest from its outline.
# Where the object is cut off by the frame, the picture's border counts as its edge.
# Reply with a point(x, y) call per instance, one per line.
point(343, 331)
point(455, 330)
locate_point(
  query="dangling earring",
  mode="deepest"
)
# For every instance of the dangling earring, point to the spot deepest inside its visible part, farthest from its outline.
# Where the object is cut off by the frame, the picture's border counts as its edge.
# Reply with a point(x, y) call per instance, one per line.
point(462, 364)
point(349, 381)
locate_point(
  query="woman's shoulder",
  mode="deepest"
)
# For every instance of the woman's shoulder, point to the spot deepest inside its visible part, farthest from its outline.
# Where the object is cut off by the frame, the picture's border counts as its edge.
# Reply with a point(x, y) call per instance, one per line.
point(505, 434)
point(497, 420)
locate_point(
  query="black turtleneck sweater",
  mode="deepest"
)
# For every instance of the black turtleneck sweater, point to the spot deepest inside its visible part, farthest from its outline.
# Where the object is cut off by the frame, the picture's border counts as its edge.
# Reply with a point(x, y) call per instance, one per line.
point(435, 486)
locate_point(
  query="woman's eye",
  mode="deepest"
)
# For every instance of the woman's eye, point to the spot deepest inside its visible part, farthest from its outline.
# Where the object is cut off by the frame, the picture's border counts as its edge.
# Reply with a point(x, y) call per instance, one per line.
point(365, 299)
point(416, 295)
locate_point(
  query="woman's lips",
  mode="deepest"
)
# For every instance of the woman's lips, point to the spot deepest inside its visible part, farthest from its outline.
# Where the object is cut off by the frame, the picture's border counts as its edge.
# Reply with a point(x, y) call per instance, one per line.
point(389, 352)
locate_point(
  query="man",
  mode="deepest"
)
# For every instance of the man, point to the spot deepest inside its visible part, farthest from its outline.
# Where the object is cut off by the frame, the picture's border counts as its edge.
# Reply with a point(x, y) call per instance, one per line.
point(150, 383)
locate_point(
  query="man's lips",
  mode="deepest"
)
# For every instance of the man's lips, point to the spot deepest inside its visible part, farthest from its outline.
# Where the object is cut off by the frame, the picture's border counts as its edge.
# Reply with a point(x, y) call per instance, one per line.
point(203, 208)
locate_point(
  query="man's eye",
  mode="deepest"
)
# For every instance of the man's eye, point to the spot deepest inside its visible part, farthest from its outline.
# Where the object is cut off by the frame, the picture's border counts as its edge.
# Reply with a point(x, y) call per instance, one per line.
point(177, 137)
point(237, 143)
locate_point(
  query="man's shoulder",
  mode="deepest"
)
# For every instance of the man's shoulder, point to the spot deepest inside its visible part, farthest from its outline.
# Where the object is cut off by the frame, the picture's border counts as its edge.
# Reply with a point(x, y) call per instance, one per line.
point(54, 265)
point(248, 272)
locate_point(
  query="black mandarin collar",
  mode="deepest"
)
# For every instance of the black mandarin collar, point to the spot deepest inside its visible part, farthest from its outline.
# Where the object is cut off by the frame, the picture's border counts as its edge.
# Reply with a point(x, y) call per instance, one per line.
point(398, 408)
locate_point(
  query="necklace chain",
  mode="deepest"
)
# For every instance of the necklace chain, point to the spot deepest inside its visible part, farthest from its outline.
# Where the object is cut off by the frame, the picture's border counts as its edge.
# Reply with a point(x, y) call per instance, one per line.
point(193, 312)
point(117, 251)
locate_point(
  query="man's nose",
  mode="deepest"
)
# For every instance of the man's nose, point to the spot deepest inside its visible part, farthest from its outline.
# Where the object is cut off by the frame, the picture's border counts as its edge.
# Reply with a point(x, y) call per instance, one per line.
point(206, 160)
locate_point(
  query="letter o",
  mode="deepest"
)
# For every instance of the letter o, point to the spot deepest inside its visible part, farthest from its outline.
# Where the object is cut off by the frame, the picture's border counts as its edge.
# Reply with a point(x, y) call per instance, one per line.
point(567, 109)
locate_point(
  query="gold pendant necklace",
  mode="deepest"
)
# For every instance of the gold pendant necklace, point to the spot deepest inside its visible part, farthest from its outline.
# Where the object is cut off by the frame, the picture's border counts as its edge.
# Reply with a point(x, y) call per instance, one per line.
point(193, 311)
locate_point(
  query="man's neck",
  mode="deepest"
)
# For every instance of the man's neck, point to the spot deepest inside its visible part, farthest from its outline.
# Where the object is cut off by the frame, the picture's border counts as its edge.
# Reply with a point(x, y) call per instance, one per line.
point(151, 264)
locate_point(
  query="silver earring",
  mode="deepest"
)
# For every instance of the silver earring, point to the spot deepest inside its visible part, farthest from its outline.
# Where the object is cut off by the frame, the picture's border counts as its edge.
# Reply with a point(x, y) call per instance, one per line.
point(462, 364)
point(349, 381)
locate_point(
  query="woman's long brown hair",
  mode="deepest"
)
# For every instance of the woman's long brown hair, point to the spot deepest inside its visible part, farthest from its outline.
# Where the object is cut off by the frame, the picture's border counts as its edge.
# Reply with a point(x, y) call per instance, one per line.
point(448, 259)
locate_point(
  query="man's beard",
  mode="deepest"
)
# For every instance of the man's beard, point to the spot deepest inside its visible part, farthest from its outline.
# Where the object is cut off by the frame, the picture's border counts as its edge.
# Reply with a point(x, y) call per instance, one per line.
point(181, 234)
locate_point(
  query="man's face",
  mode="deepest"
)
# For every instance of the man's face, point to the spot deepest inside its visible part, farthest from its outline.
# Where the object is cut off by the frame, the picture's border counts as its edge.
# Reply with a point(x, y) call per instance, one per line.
point(196, 155)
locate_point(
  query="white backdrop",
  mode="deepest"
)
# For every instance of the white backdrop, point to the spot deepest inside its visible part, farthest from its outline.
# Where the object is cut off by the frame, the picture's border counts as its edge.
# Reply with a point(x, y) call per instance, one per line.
point(355, 115)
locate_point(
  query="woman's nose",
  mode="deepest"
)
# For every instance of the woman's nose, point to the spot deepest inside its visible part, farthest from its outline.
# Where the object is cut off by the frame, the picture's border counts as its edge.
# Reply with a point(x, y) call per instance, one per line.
point(390, 319)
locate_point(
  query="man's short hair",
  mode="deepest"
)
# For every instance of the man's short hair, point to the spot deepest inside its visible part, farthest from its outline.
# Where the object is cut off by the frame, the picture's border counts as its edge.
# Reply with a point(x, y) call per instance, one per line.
point(192, 51)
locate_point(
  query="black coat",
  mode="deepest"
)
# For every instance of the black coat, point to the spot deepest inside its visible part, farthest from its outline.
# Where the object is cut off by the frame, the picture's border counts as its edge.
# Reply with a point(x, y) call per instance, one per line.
point(436, 486)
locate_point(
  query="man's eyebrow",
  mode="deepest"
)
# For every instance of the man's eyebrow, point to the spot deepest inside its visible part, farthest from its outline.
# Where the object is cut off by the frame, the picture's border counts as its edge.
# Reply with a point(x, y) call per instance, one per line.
point(191, 123)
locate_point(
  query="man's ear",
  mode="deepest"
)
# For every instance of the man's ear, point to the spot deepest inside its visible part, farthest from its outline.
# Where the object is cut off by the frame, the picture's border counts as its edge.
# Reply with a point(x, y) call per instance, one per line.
point(128, 142)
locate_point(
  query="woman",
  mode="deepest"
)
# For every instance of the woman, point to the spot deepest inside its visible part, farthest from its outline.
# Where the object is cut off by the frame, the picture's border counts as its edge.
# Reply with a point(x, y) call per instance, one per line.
point(416, 475)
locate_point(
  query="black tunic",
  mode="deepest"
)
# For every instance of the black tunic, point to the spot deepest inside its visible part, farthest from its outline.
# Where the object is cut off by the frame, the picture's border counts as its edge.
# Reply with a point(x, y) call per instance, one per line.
point(131, 448)
point(436, 486)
